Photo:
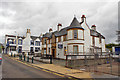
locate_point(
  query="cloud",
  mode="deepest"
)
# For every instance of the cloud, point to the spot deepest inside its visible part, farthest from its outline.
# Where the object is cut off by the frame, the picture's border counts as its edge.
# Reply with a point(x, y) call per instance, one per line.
point(40, 16)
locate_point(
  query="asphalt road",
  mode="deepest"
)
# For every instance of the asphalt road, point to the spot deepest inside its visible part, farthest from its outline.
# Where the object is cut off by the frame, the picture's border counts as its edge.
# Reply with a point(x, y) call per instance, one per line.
point(14, 69)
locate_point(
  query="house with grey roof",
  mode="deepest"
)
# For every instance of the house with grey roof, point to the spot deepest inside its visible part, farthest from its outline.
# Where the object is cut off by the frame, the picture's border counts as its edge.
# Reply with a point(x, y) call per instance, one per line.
point(23, 44)
point(76, 39)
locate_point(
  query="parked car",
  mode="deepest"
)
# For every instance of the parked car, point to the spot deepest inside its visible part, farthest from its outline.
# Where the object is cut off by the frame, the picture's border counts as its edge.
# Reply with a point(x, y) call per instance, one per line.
point(0, 60)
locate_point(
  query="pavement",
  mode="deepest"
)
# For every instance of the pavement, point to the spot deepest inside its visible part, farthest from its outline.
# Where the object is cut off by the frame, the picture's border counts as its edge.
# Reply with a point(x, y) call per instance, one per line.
point(56, 70)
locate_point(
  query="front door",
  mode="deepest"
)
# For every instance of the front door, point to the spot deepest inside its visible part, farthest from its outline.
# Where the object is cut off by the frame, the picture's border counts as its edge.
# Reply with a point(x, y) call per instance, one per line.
point(53, 53)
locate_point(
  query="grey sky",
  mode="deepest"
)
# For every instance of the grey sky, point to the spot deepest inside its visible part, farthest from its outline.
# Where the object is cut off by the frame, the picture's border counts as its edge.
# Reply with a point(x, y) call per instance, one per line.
point(39, 16)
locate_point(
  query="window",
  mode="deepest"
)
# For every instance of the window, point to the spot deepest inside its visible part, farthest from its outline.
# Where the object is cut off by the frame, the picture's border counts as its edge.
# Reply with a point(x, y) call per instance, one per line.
point(75, 34)
point(65, 38)
point(59, 39)
point(37, 43)
point(100, 39)
point(49, 41)
point(93, 40)
point(65, 51)
point(20, 42)
point(44, 50)
point(45, 41)
point(37, 49)
point(32, 42)
point(75, 49)
point(31, 49)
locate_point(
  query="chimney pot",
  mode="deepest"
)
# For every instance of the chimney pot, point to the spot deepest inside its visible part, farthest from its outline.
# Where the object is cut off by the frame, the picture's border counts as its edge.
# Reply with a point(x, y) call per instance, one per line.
point(59, 26)
point(83, 16)
point(93, 27)
point(50, 30)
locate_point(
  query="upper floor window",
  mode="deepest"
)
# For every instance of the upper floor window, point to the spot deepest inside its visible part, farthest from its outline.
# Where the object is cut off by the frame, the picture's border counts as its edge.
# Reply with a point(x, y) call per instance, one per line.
point(32, 42)
point(45, 41)
point(75, 33)
point(100, 39)
point(20, 41)
point(49, 41)
point(65, 38)
point(59, 39)
point(37, 43)
point(93, 40)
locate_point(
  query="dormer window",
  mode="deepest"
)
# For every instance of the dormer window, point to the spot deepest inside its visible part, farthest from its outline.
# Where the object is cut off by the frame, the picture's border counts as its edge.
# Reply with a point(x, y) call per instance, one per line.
point(75, 33)
point(32, 42)
point(59, 39)
point(20, 41)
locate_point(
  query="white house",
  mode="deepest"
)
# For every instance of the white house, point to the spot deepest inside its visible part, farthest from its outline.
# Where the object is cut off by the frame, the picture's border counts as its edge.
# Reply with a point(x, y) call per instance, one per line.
point(22, 44)
point(76, 39)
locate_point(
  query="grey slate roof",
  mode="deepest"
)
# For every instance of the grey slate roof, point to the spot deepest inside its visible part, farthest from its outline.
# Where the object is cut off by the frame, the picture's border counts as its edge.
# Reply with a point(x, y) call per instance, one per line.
point(97, 34)
point(35, 37)
point(75, 23)
point(63, 31)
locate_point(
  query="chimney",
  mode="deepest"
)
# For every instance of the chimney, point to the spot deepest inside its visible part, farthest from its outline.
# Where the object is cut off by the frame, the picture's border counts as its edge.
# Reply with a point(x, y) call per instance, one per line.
point(93, 27)
point(50, 30)
point(83, 18)
point(28, 32)
point(59, 26)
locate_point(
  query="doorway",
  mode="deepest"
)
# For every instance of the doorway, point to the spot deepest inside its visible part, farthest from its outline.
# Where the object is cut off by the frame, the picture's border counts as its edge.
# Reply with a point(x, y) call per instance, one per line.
point(53, 53)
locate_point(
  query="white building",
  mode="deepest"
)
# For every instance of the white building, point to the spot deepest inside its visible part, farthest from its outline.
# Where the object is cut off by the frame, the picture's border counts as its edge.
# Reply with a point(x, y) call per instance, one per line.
point(21, 44)
point(77, 38)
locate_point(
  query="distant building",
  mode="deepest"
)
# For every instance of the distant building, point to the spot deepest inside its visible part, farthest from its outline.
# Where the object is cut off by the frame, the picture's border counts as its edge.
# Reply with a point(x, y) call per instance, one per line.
point(75, 39)
point(22, 44)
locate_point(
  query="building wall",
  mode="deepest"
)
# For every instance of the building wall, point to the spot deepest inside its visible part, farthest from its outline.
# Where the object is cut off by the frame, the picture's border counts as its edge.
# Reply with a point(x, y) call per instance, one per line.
point(87, 37)
point(26, 43)
point(103, 45)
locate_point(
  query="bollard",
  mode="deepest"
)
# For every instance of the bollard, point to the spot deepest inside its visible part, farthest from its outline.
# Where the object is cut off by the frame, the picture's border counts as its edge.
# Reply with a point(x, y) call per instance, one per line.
point(11, 54)
point(24, 57)
point(32, 59)
point(14, 55)
point(50, 59)
point(21, 57)
point(27, 58)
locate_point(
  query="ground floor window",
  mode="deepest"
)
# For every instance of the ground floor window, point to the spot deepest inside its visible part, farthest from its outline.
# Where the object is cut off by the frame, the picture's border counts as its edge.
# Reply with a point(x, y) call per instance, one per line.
point(31, 49)
point(20, 49)
point(13, 48)
point(37, 49)
point(75, 49)
point(44, 50)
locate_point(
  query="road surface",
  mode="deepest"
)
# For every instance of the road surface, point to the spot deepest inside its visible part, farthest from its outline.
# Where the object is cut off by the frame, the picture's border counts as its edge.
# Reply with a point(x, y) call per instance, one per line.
point(14, 69)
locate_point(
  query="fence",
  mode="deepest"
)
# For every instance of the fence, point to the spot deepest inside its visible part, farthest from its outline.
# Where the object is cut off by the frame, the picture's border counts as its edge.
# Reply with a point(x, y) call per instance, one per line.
point(102, 62)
